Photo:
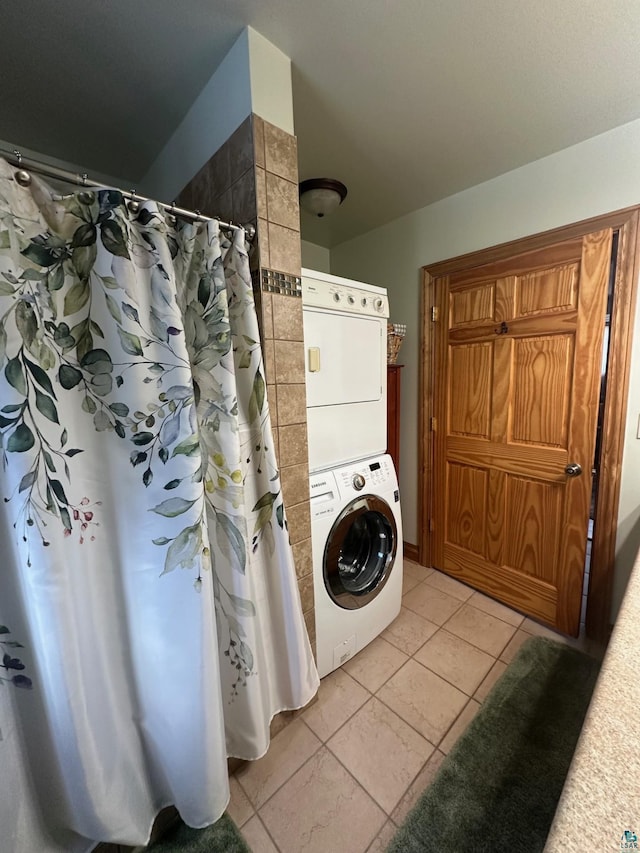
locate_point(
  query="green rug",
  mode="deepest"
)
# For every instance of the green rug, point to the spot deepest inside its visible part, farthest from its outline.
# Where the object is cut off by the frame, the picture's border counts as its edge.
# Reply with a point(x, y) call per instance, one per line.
point(498, 788)
point(223, 836)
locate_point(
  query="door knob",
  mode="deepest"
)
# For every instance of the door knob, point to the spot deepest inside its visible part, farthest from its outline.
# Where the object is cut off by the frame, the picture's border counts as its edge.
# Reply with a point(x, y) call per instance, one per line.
point(573, 469)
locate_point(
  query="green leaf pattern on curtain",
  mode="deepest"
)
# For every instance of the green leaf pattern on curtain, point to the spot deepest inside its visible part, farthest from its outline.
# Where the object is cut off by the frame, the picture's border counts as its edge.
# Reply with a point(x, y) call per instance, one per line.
point(95, 300)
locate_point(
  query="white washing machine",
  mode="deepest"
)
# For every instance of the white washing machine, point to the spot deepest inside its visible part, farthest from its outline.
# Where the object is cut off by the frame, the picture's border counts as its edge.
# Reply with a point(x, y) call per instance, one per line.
point(345, 335)
point(356, 534)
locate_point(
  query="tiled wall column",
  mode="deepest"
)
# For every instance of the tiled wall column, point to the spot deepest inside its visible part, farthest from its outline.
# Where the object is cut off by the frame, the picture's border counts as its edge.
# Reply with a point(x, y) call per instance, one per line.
point(253, 178)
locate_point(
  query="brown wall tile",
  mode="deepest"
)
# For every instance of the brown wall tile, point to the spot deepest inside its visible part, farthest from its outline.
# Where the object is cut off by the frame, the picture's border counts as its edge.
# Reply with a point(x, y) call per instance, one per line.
point(263, 243)
point(261, 193)
point(281, 152)
point(267, 315)
point(303, 557)
point(243, 193)
point(287, 318)
point(299, 522)
point(305, 586)
point(219, 171)
point(223, 206)
point(240, 145)
point(292, 402)
point(310, 622)
point(282, 202)
point(258, 140)
point(273, 404)
point(284, 249)
point(289, 361)
point(293, 444)
point(268, 350)
point(295, 483)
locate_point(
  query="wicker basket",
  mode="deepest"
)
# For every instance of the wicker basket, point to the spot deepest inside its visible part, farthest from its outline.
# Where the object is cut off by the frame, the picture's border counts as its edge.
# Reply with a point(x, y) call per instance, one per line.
point(394, 342)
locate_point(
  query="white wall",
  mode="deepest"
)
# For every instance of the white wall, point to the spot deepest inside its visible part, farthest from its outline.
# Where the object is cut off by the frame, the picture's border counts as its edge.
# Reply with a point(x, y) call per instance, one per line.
point(315, 257)
point(271, 87)
point(253, 77)
point(219, 109)
point(594, 177)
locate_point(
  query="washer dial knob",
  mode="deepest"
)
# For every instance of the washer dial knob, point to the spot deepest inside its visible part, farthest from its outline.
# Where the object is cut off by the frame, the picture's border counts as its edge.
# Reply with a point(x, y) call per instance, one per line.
point(378, 303)
point(336, 297)
point(358, 482)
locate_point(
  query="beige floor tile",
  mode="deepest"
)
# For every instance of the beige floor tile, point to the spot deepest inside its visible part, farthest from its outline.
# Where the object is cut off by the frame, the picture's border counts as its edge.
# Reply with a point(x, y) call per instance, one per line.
point(239, 808)
point(449, 585)
point(322, 809)
point(419, 785)
point(457, 661)
point(480, 629)
point(415, 570)
point(257, 837)
point(430, 603)
point(381, 751)
point(408, 583)
point(538, 630)
point(423, 699)
point(409, 631)
point(375, 664)
point(459, 727)
point(339, 697)
point(383, 840)
point(494, 674)
point(288, 751)
point(514, 644)
point(494, 608)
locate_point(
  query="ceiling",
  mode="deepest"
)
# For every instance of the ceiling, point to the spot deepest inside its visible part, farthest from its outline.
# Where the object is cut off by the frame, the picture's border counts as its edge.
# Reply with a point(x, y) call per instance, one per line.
point(406, 103)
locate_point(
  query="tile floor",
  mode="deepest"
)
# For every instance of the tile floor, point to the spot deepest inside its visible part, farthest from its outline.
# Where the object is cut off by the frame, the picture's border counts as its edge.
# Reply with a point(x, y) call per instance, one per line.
point(344, 774)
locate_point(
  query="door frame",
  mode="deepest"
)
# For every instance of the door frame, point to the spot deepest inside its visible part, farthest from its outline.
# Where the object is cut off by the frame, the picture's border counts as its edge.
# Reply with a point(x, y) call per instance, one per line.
point(626, 223)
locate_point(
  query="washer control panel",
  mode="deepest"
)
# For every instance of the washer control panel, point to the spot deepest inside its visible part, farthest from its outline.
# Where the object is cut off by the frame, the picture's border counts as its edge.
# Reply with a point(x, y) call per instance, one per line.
point(374, 474)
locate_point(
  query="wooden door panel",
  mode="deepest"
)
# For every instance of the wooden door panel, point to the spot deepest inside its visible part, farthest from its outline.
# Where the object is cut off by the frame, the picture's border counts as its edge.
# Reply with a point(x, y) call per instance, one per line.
point(532, 512)
point(541, 389)
point(472, 305)
point(516, 396)
point(467, 509)
point(470, 406)
point(547, 290)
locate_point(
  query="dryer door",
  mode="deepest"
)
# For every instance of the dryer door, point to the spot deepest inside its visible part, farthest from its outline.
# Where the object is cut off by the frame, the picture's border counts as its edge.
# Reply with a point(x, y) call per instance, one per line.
point(360, 552)
point(348, 358)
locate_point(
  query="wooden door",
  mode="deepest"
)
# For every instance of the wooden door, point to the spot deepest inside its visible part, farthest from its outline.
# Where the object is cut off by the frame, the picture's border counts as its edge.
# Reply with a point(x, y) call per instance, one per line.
point(518, 351)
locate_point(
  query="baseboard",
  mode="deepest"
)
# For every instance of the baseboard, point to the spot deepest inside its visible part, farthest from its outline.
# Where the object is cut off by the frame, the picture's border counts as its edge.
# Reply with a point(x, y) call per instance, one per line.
point(410, 551)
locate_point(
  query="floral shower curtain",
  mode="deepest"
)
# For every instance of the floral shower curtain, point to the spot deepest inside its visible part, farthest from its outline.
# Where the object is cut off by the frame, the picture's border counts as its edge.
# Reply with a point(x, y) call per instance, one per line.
point(150, 622)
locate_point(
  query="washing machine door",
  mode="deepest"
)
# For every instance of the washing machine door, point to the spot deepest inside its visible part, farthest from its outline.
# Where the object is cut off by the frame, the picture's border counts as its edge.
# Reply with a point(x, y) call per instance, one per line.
point(360, 552)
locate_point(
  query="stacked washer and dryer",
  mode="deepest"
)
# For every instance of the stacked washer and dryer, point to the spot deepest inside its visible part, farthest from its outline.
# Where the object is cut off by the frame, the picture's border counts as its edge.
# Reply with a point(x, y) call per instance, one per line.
point(356, 526)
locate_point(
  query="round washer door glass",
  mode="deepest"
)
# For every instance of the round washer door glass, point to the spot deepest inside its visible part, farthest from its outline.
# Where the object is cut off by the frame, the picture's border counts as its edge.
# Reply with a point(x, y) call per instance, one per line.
point(360, 552)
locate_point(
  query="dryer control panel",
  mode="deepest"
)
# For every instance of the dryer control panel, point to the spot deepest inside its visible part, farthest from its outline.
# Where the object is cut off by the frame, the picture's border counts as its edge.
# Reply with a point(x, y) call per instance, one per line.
point(341, 294)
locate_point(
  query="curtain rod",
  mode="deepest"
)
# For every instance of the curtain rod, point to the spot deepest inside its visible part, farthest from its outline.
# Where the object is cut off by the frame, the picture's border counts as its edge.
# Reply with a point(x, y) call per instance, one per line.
point(15, 158)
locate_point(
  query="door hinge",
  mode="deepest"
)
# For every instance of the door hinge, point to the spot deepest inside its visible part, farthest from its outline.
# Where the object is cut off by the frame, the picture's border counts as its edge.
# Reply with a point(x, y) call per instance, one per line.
point(434, 313)
point(433, 424)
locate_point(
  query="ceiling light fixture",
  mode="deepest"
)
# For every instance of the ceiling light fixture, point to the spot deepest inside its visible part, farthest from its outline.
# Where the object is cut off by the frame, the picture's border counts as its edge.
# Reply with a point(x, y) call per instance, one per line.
point(321, 196)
